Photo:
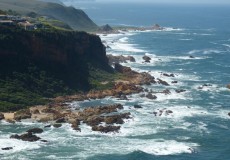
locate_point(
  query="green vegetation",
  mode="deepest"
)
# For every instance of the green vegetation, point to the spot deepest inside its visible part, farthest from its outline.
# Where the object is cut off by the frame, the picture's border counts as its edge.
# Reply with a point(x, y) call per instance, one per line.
point(67, 17)
point(38, 65)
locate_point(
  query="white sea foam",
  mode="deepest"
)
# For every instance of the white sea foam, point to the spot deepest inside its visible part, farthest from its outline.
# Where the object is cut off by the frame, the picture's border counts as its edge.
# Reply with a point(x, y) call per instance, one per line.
point(17, 145)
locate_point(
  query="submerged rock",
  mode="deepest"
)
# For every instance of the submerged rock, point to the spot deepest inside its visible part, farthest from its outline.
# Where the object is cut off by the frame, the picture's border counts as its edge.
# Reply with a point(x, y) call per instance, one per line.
point(35, 130)
point(150, 96)
point(180, 90)
point(137, 106)
point(7, 148)
point(57, 125)
point(26, 137)
point(106, 129)
point(168, 75)
point(162, 82)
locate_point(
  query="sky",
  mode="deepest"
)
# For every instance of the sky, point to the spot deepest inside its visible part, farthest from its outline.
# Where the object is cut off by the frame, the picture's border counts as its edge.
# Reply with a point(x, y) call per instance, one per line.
point(168, 1)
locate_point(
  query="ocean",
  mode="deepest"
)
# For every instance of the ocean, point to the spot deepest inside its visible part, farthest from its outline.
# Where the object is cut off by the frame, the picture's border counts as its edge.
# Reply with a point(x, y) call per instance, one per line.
point(199, 126)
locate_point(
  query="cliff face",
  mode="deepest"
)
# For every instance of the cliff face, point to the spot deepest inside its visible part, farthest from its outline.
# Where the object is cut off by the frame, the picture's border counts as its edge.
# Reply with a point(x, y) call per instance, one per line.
point(48, 62)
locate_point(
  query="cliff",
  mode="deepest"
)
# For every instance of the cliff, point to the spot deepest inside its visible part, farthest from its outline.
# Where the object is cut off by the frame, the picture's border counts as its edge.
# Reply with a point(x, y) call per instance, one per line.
point(75, 18)
point(47, 63)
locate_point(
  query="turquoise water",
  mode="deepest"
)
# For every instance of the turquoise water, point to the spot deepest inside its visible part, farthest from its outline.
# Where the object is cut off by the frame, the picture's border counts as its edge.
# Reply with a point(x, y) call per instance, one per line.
point(199, 126)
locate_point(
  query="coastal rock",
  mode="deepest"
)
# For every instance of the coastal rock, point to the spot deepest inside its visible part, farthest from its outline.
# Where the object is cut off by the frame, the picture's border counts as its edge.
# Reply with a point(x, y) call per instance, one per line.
point(106, 129)
point(166, 91)
point(180, 90)
point(61, 120)
point(26, 137)
point(122, 69)
point(146, 58)
point(157, 27)
point(191, 57)
point(47, 126)
point(174, 82)
point(168, 75)
point(150, 96)
point(162, 82)
point(228, 86)
point(57, 125)
point(7, 148)
point(229, 113)
point(35, 130)
point(1, 116)
point(75, 125)
point(137, 106)
point(120, 59)
point(22, 114)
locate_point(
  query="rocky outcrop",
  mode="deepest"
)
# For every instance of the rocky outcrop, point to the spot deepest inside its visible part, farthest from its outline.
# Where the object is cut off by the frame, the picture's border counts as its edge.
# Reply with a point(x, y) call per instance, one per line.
point(26, 137)
point(162, 82)
point(160, 112)
point(106, 129)
point(147, 59)
point(180, 90)
point(150, 96)
point(106, 29)
point(22, 114)
point(168, 75)
point(1, 116)
point(228, 86)
point(120, 59)
point(137, 106)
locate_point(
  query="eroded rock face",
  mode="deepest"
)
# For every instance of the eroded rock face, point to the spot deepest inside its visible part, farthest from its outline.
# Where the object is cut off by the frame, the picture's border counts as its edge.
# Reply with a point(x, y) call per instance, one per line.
point(228, 86)
point(22, 114)
point(1, 116)
point(122, 69)
point(26, 137)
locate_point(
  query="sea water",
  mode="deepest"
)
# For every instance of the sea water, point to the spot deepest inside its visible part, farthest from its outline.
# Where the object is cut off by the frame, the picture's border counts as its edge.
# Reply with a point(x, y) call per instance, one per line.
point(199, 126)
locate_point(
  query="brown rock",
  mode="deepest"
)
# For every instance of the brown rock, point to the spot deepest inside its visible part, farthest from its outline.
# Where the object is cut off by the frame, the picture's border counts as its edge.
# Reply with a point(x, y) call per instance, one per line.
point(1, 116)
point(22, 114)
point(114, 119)
point(122, 69)
point(228, 86)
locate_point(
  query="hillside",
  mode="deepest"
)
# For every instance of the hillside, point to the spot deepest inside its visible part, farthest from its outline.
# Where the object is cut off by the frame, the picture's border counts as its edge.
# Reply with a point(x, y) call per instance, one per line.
point(48, 63)
point(75, 18)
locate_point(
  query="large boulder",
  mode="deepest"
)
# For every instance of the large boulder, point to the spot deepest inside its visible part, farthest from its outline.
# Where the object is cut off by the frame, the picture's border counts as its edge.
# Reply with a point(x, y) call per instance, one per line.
point(114, 119)
point(150, 96)
point(35, 130)
point(26, 137)
point(1, 116)
point(162, 82)
point(147, 59)
point(106, 129)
